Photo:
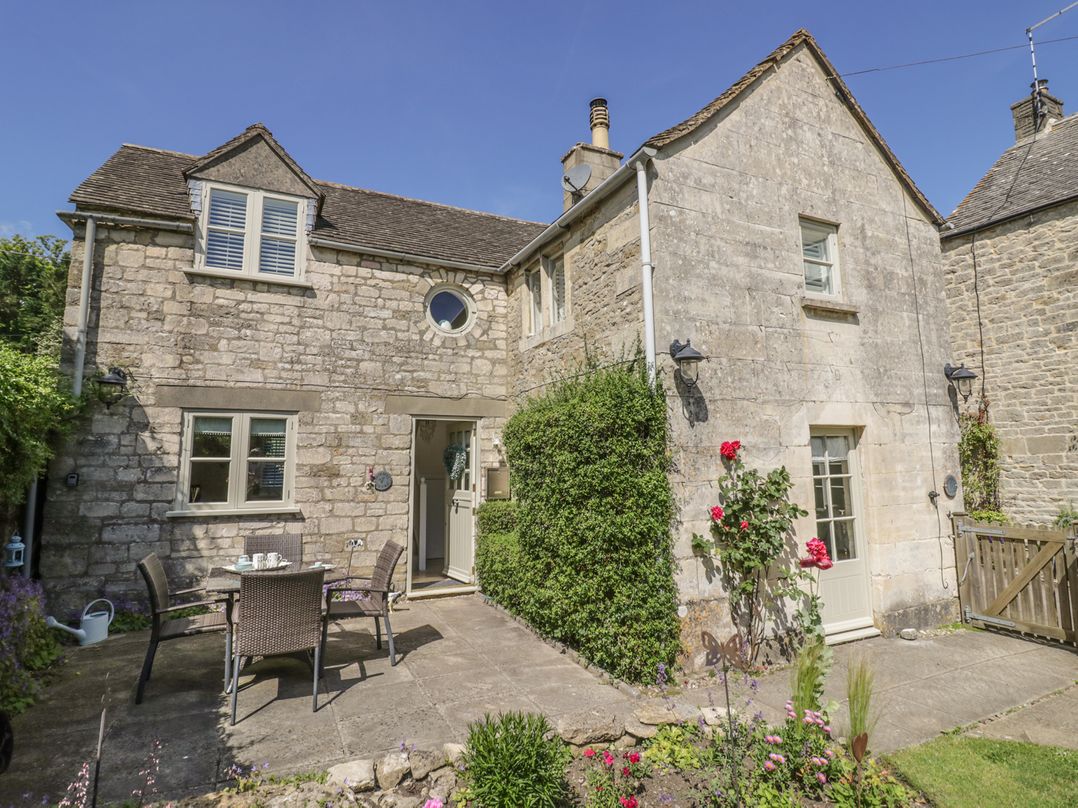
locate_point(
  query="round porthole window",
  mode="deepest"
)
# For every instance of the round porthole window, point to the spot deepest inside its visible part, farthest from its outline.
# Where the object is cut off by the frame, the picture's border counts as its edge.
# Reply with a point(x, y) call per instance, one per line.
point(451, 310)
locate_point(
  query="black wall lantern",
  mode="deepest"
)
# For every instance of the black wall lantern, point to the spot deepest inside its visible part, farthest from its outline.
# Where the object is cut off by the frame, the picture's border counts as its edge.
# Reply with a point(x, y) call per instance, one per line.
point(687, 359)
point(112, 386)
point(962, 379)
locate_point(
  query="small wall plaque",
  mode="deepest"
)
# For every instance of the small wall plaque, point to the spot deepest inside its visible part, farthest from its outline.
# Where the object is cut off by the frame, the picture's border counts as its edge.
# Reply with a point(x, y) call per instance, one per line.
point(383, 481)
point(950, 486)
point(498, 483)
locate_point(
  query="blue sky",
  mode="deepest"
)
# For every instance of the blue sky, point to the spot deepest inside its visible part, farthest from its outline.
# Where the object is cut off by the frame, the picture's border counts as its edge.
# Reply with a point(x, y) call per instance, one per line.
point(473, 103)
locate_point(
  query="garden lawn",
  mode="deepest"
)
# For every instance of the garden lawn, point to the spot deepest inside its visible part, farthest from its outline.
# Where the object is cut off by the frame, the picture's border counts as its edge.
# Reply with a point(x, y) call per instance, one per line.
point(956, 771)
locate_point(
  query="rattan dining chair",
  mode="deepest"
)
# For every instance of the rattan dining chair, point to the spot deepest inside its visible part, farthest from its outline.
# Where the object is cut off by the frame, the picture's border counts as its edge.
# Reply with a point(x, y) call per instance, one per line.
point(367, 597)
point(164, 628)
point(279, 613)
point(289, 545)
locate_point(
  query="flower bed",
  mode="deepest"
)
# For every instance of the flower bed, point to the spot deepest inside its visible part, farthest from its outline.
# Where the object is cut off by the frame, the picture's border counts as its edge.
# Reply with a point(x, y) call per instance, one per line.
point(27, 648)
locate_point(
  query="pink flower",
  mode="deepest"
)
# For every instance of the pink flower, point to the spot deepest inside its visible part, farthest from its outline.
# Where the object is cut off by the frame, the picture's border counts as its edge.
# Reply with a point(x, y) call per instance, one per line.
point(773, 739)
point(829, 753)
point(434, 802)
point(777, 757)
point(608, 758)
point(634, 757)
point(626, 771)
point(744, 525)
point(717, 513)
point(821, 777)
point(628, 802)
point(825, 563)
point(589, 752)
point(827, 729)
point(769, 765)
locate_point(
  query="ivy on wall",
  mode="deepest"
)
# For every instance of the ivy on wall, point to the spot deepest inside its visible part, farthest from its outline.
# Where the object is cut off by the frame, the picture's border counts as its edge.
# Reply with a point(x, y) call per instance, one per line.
point(978, 454)
point(590, 562)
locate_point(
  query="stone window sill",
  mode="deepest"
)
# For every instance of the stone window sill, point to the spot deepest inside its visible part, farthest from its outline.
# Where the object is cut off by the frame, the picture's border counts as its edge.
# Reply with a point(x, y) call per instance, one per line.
point(548, 333)
point(238, 276)
point(828, 305)
point(213, 512)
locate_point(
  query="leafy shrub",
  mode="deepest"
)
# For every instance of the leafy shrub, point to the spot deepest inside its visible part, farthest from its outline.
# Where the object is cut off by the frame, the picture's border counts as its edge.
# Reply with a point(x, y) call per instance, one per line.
point(496, 516)
point(978, 455)
point(989, 516)
point(612, 780)
point(871, 787)
point(500, 568)
point(1067, 517)
point(510, 760)
point(589, 462)
point(33, 407)
point(677, 747)
point(27, 646)
point(799, 753)
point(33, 280)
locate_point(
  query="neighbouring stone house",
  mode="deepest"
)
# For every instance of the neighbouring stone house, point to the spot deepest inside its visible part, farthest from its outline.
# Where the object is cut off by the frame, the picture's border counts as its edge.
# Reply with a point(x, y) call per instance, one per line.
point(1010, 254)
point(288, 340)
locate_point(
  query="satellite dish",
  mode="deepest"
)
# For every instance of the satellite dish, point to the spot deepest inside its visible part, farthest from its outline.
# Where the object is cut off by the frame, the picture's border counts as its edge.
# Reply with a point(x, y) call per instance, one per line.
point(576, 178)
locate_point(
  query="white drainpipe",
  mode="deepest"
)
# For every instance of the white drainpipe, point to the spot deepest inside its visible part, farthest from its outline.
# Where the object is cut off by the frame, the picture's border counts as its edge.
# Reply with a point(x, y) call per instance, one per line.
point(84, 305)
point(646, 268)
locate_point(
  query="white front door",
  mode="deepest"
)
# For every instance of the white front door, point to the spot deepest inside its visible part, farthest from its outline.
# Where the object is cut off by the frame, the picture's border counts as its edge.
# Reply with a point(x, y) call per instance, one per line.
point(461, 502)
point(836, 479)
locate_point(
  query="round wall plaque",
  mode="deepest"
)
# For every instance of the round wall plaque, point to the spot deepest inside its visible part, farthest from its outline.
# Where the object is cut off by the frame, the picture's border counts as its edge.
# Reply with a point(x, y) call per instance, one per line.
point(383, 481)
point(950, 486)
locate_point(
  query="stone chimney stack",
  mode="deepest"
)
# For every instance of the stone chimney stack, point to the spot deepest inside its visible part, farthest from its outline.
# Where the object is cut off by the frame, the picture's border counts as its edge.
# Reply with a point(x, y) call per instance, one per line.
point(598, 155)
point(1039, 104)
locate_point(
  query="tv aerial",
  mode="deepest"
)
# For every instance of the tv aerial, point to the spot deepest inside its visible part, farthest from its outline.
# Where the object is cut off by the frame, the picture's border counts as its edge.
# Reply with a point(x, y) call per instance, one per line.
point(576, 179)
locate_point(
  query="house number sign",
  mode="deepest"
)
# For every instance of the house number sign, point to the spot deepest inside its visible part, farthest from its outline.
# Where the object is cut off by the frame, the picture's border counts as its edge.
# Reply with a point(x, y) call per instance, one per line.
point(383, 481)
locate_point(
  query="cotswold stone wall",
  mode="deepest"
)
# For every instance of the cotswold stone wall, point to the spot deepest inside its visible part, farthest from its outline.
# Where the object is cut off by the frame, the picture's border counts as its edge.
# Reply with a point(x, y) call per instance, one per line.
point(1024, 301)
point(357, 336)
point(725, 207)
point(605, 319)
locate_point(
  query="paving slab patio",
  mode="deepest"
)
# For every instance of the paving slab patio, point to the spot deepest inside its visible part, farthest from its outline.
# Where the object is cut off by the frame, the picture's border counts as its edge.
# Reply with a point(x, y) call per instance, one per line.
point(459, 660)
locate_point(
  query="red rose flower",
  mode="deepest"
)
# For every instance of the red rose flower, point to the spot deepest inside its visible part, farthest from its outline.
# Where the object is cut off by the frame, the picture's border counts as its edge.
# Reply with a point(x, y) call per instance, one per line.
point(626, 771)
point(744, 525)
point(634, 757)
point(589, 752)
point(717, 513)
point(825, 563)
point(729, 449)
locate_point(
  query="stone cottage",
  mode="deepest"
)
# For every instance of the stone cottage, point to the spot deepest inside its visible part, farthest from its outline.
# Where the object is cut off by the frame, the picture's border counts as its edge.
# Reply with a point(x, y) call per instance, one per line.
point(1010, 252)
point(309, 355)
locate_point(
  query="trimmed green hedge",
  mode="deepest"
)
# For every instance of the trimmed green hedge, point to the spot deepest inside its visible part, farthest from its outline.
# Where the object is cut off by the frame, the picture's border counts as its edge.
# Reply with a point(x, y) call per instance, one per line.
point(591, 564)
point(496, 516)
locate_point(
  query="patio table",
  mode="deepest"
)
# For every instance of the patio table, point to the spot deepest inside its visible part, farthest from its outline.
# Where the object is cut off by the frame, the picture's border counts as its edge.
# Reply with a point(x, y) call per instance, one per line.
point(220, 581)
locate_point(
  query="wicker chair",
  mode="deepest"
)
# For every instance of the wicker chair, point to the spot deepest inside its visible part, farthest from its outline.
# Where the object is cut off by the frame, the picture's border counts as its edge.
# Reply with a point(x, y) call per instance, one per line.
point(289, 545)
point(369, 597)
point(279, 613)
point(163, 628)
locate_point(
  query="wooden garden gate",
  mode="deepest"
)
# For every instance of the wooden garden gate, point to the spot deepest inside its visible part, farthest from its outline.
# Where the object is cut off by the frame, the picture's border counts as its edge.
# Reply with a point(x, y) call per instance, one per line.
point(1018, 578)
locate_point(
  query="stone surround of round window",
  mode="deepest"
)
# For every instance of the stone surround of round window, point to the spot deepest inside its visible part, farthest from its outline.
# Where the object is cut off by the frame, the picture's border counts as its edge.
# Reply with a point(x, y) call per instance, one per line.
point(450, 309)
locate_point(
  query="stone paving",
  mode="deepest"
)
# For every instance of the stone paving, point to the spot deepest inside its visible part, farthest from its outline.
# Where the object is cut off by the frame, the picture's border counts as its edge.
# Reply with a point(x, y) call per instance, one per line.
point(461, 659)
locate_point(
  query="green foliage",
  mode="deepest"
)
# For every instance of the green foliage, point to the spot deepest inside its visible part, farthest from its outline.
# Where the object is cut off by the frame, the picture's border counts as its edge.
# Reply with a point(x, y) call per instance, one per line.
point(515, 759)
point(964, 772)
point(33, 280)
point(33, 408)
point(872, 786)
point(809, 671)
point(611, 778)
point(1066, 518)
point(989, 516)
point(978, 454)
point(245, 781)
point(501, 569)
point(28, 648)
point(677, 747)
point(496, 516)
point(595, 567)
point(860, 683)
point(752, 530)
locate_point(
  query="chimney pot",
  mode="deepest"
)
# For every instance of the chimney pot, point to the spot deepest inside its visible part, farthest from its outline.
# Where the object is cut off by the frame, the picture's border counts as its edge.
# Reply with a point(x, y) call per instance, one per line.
point(600, 123)
point(1036, 112)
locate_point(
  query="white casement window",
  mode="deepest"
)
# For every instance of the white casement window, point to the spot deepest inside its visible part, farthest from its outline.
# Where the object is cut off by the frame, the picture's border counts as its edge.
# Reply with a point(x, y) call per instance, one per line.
point(819, 249)
point(834, 482)
point(236, 461)
point(251, 232)
point(559, 305)
point(533, 283)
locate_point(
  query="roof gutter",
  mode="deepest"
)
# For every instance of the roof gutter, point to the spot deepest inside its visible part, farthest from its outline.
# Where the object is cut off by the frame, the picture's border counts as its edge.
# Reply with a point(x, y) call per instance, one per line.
point(624, 173)
point(318, 241)
point(70, 217)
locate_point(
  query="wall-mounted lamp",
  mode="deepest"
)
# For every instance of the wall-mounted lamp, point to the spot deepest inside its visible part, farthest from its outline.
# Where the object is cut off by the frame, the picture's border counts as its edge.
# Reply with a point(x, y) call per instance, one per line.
point(962, 379)
point(111, 387)
point(687, 359)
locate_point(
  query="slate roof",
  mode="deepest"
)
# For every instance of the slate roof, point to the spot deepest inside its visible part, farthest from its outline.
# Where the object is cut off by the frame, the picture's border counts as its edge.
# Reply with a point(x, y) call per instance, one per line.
point(773, 59)
point(150, 182)
point(1034, 173)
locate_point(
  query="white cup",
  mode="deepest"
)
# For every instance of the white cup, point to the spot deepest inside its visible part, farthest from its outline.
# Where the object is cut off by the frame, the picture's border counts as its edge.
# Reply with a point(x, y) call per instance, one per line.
point(273, 559)
point(244, 561)
point(259, 560)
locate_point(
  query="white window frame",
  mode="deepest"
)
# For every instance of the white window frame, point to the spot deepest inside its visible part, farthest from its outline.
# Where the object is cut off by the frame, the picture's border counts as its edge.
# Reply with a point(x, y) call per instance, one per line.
point(551, 264)
point(533, 305)
point(831, 228)
point(252, 234)
point(853, 475)
point(237, 476)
